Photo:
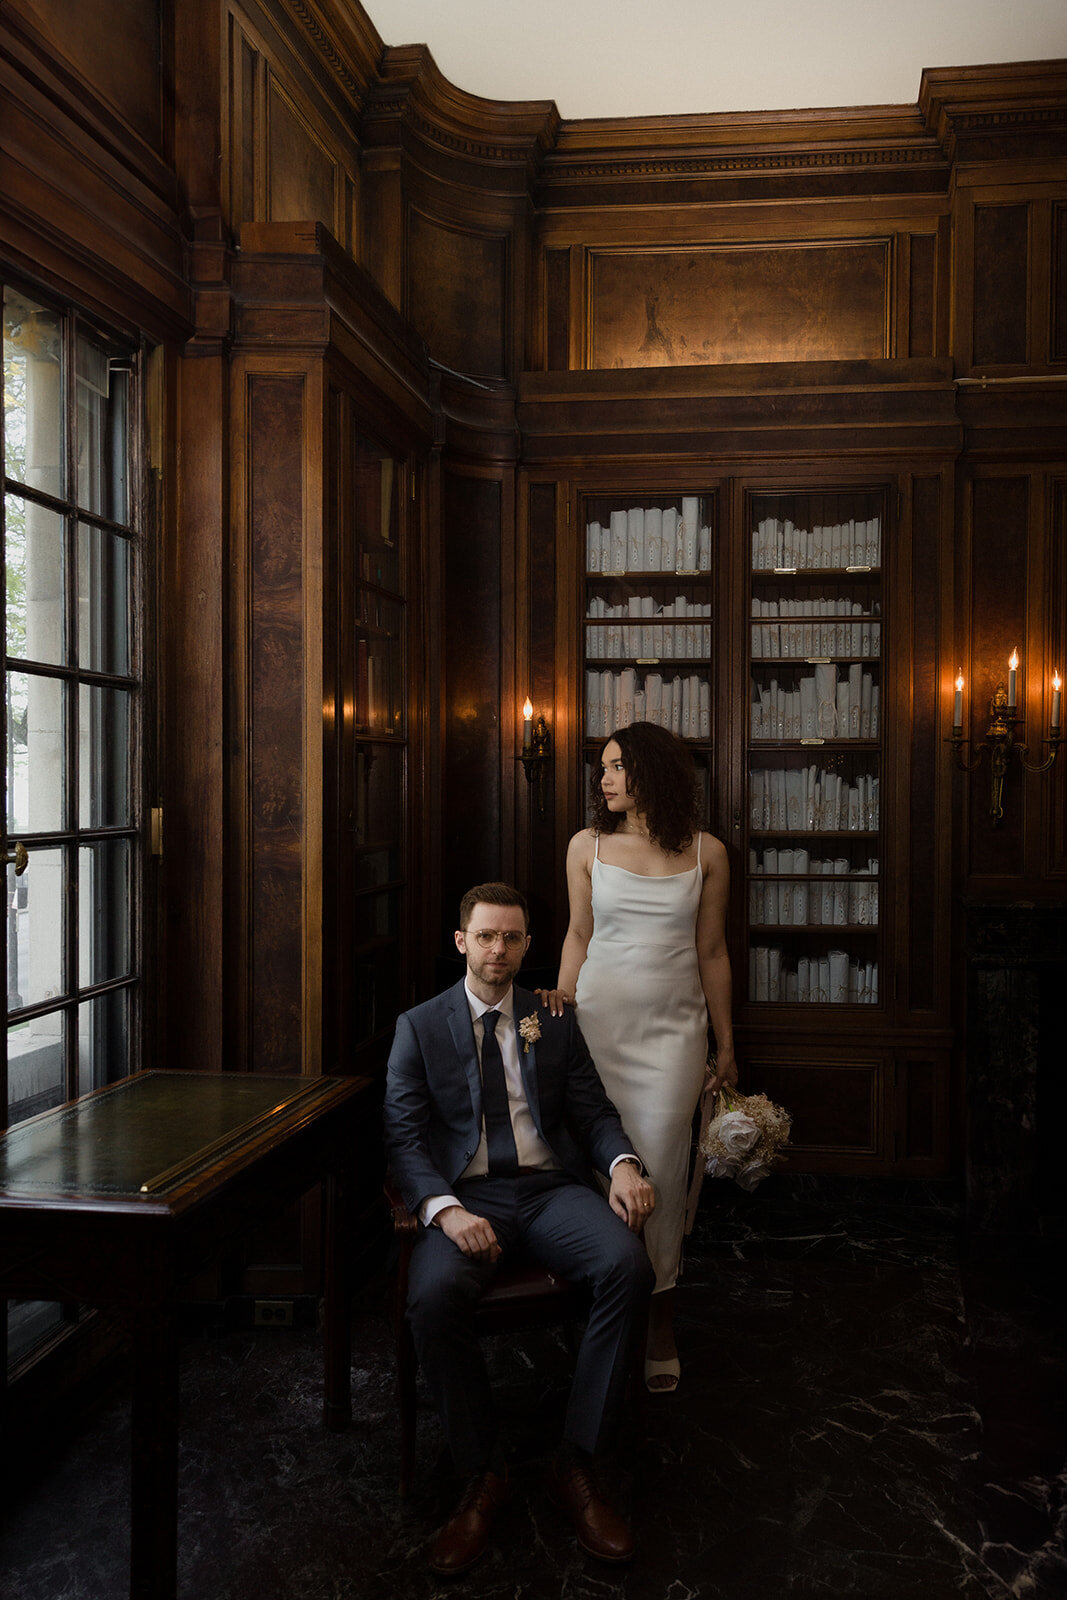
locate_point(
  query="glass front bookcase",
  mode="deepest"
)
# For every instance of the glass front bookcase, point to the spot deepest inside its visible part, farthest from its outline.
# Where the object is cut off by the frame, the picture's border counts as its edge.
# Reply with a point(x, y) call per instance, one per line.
point(814, 815)
point(648, 627)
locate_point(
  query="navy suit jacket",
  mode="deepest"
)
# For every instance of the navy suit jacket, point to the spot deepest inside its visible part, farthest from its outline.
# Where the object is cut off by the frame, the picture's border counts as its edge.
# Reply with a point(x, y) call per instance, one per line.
point(433, 1096)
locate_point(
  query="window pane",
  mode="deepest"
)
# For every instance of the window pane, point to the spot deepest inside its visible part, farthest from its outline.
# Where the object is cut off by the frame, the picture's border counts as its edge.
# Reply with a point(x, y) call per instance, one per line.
point(380, 664)
point(104, 746)
point(35, 1055)
point(33, 394)
point(35, 773)
point(102, 395)
point(35, 930)
point(377, 512)
point(379, 794)
point(103, 601)
point(35, 609)
point(103, 1039)
point(103, 911)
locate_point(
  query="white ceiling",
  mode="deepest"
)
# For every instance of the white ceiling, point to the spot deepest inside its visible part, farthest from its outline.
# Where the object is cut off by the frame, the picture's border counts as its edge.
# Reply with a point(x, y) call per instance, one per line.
point(627, 58)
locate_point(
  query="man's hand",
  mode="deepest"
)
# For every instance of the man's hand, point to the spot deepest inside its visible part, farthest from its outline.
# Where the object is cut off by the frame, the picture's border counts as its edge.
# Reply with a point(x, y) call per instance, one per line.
point(631, 1197)
point(473, 1235)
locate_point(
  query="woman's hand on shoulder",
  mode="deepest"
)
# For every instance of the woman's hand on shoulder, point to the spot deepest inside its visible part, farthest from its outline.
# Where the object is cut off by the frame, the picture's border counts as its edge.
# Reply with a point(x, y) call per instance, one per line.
point(554, 1000)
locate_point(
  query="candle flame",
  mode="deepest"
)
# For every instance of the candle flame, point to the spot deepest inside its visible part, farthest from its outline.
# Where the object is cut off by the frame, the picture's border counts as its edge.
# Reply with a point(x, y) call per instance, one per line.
point(527, 709)
point(1013, 661)
point(959, 680)
point(1056, 682)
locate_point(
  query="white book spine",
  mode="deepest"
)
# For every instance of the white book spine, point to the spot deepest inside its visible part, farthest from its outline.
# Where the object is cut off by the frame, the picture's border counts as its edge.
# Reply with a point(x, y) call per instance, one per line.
point(856, 676)
point(618, 541)
point(635, 538)
point(669, 549)
point(691, 520)
point(653, 538)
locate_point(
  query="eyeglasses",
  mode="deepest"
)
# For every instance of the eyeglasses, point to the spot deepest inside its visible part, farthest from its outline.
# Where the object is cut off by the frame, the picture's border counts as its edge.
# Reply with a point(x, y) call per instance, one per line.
point(487, 938)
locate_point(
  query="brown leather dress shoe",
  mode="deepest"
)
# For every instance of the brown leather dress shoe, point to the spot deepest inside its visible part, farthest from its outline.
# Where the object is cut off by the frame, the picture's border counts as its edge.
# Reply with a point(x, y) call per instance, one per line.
point(601, 1531)
point(465, 1536)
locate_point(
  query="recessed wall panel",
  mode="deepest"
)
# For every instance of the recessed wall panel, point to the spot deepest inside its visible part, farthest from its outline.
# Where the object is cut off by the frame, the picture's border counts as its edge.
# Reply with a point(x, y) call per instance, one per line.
point(667, 308)
point(457, 294)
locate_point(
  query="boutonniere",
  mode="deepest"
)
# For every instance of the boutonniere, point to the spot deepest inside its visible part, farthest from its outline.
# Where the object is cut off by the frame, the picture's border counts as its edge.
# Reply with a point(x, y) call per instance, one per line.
point(530, 1029)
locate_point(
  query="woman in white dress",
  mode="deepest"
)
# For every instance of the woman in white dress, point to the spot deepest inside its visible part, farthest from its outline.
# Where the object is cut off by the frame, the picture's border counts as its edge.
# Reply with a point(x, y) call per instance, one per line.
point(645, 963)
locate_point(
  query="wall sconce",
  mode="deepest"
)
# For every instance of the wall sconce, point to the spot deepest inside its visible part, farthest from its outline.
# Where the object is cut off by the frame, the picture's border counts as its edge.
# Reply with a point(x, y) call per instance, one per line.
point(536, 744)
point(1000, 735)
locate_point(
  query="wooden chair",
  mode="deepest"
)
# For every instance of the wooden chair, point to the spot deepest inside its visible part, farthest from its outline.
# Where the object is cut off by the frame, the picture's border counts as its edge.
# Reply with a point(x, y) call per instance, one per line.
point(522, 1297)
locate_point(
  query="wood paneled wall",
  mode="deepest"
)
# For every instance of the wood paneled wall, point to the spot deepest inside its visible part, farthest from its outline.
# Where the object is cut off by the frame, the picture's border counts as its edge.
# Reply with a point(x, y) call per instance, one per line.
point(182, 170)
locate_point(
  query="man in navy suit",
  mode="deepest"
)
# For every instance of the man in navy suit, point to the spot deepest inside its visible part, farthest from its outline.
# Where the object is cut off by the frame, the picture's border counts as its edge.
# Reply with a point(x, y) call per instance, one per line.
point(495, 1120)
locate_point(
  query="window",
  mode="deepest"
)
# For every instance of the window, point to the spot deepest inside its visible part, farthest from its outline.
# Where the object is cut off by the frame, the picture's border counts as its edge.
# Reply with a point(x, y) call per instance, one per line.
point(72, 732)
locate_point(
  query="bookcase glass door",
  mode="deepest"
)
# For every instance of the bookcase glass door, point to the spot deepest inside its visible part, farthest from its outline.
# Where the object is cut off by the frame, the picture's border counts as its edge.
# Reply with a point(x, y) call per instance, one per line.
point(379, 748)
point(648, 628)
point(815, 747)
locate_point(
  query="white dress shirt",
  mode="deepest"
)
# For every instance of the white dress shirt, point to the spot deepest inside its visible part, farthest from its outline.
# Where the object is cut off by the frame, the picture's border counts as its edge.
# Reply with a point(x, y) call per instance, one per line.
point(531, 1148)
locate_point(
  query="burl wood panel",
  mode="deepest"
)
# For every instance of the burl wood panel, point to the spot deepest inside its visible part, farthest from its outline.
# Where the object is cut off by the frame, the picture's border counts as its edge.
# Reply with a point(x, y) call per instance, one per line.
point(1057, 657)
point(1058, 342)
point(557, 309)
point(1000, 277)
point(718, 306)
point(544, 887)
point(457, 292)
point(922, 295)
point(471, 643)
point(303, 175)
point(276, 735)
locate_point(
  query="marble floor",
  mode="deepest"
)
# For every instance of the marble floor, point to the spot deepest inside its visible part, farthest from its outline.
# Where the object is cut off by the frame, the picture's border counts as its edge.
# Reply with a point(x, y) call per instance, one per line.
point(868, 1408)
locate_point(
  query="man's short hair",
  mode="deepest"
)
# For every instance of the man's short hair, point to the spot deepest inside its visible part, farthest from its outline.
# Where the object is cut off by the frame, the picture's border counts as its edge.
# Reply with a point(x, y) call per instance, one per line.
point(492, 894)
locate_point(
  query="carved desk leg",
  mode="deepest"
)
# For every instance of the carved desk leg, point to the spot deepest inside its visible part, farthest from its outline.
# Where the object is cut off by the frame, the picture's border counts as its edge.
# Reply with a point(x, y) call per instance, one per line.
point(337, 1307)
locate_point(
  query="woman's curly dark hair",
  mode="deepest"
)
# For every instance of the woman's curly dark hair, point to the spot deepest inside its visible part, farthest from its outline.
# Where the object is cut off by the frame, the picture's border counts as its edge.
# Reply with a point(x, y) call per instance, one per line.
point(662, 777)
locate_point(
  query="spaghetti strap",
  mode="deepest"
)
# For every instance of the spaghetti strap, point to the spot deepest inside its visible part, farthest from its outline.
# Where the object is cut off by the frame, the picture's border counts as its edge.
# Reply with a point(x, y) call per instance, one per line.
point(596, 847)
point(699, 837)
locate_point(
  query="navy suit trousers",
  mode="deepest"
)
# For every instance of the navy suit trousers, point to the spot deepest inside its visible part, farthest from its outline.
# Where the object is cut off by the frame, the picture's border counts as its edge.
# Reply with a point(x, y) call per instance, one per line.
point(568, 1228)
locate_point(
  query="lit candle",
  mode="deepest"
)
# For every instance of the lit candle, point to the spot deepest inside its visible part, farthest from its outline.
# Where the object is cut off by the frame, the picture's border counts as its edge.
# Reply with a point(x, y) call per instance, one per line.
point(1013, 668)
point(527, 724)
point(957, 708)
point(1056, 685)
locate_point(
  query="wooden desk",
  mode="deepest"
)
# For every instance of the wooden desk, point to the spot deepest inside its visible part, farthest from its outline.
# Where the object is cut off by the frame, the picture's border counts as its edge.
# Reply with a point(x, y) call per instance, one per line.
point(118, 1198)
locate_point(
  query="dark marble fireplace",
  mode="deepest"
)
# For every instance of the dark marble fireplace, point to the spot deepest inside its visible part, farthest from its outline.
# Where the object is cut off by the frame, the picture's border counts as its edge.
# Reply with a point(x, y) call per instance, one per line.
point(1016, 1051)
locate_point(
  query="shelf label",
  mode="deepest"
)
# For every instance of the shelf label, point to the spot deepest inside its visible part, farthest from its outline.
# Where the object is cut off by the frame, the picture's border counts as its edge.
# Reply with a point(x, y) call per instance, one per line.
point(813, 661)
point(813, 741)
point(785, 572)
point(859, 569)
point(653, 661)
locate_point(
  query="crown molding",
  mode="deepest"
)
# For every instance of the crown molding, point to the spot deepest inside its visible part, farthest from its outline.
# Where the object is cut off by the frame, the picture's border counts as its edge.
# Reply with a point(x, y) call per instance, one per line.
point(983, 110)
point(412, 91)
point(345, 39)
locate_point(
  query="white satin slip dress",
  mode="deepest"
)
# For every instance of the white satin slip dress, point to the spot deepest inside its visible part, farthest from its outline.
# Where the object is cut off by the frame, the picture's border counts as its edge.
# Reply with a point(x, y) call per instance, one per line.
point(641, 1009)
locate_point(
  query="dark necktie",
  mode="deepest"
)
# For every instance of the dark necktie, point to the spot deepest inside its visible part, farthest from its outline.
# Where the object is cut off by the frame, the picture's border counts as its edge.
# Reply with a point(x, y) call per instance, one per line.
point(499, 1137)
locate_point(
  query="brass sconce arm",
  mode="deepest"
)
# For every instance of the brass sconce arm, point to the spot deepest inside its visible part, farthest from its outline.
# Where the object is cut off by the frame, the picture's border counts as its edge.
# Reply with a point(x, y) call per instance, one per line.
point(1000, 741)
point(535, 757)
